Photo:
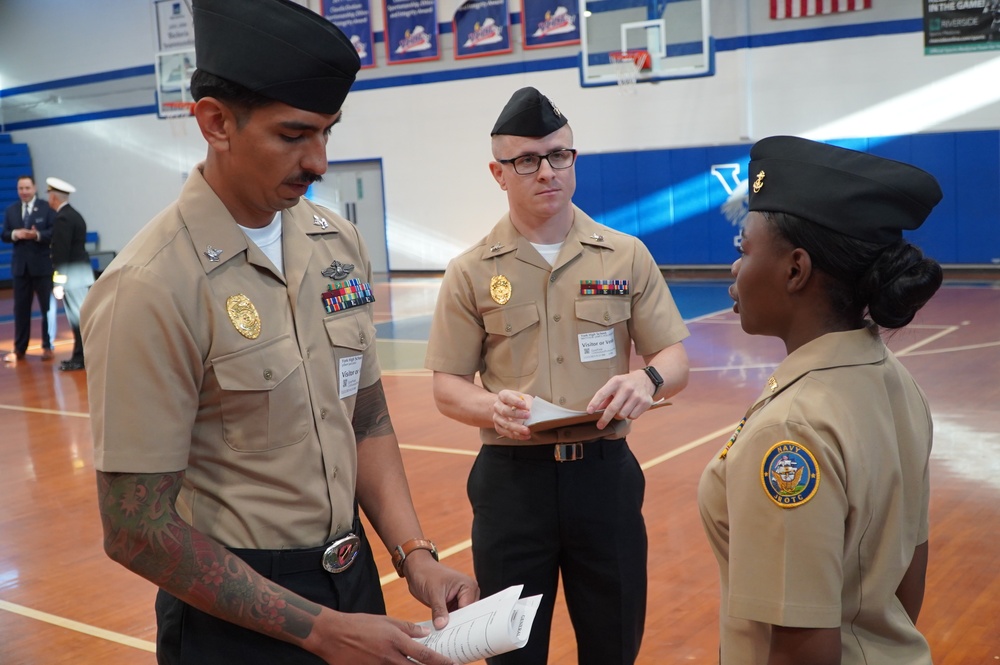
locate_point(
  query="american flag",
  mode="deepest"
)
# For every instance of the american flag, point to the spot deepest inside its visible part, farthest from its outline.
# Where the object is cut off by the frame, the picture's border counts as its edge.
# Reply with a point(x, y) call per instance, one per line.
point(798, 8)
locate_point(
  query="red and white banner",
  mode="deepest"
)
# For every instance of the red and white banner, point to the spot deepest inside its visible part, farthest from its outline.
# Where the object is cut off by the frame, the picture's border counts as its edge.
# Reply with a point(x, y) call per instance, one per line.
point(799, 8)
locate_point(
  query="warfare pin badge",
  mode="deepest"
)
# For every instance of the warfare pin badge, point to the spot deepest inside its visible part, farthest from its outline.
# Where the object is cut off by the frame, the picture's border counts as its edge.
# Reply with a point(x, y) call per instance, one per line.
point(338, 270)
point(244, 316)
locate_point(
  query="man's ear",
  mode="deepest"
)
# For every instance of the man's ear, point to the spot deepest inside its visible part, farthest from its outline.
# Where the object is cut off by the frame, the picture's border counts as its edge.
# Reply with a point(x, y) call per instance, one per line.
point(215, 121)
point(800, 270)
point(496, 170)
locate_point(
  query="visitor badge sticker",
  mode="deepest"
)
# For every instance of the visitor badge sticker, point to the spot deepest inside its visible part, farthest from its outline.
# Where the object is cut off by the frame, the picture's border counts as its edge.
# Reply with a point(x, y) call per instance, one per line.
point(350, 375)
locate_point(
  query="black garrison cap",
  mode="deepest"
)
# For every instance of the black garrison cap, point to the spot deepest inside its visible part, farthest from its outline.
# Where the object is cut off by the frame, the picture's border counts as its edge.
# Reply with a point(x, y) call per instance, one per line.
point(529, 113)
point(278, 49)
point(860, 195)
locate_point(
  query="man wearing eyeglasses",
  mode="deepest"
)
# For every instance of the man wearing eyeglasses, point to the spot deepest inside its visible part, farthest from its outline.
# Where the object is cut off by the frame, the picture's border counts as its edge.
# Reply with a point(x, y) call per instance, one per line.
point(549, 305)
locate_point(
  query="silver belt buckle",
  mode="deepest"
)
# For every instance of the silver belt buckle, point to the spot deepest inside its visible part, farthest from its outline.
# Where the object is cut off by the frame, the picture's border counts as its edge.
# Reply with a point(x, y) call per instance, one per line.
point(340, 555)
point(568, 452)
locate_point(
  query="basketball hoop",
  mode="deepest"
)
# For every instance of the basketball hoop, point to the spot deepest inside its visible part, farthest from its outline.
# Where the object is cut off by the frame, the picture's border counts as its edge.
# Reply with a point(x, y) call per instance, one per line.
point(627, 66)
point(175, 112)
point(177, 109)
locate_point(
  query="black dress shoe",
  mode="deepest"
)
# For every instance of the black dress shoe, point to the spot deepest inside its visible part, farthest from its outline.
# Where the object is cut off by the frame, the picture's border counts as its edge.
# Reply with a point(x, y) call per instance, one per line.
point(71, 365)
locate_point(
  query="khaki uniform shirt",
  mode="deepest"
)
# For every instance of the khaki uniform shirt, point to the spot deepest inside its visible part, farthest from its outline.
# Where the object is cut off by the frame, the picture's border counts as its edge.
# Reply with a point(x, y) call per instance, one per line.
point(535, 341)
point(826, 547)
point(262, 427)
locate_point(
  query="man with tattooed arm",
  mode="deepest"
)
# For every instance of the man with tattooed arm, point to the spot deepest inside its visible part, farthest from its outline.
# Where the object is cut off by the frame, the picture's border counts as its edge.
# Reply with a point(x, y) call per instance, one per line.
point(238, 414)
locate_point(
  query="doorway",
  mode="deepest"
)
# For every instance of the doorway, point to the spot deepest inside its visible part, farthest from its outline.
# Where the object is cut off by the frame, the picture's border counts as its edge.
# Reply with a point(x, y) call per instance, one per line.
point(354, 190)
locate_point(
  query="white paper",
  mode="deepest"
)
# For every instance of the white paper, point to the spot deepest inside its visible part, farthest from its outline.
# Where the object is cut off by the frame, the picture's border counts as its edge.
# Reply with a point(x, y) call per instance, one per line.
point(545, 414)
point(489, 627)
point(543, 410)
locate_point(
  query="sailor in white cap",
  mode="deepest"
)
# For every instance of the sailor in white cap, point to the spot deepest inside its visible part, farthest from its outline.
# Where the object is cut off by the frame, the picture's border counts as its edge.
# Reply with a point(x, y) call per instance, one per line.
point(59, 185)
point(73, 273)
point(239, 419)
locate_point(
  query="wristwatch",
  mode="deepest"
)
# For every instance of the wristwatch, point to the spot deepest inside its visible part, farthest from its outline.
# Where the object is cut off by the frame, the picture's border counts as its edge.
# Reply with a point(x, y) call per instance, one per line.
point(402, 551)
point(654, 376)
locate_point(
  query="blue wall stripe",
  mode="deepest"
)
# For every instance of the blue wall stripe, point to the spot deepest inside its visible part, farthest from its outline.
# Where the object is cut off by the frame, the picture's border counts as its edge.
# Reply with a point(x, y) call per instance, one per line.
point(114, 75)
point(720, 45)
point(837, 32)
point(566, 62)
point(82, 117)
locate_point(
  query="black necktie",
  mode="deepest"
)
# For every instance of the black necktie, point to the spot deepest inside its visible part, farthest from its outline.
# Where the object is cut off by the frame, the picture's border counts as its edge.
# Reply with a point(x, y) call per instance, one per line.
point(24, 217)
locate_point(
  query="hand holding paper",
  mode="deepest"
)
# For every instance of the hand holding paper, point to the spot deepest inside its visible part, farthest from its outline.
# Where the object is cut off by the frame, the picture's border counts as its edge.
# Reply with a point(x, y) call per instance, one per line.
point(489, 627)
point(546, 415)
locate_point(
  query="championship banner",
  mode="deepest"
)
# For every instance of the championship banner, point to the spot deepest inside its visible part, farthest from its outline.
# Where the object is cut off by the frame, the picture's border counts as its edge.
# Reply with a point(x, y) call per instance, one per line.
point(354, 17)
point(411, 31)
point(482, 27)
point(800, 8)
point(961, 26)
point(549, 23)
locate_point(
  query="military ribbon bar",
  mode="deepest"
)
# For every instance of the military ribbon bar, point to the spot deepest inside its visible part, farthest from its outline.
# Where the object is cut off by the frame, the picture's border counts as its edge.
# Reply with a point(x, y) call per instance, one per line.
point(604, 287)
point(344, 295)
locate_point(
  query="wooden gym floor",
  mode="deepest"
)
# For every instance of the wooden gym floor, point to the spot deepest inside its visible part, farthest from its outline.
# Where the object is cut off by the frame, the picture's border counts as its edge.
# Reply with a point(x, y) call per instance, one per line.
point(63, 601)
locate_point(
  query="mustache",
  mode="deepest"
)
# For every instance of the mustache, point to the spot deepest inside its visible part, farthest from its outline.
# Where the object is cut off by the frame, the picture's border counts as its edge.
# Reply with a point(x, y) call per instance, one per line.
point(305, 178)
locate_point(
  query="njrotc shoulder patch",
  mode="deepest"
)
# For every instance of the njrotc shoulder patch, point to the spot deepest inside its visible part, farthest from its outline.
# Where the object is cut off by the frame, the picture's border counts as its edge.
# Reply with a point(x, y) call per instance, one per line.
point(789, 474)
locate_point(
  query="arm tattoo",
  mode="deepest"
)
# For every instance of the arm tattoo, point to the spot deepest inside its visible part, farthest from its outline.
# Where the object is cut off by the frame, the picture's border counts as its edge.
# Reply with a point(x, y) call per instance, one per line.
point(371, 413)
point(144, 533)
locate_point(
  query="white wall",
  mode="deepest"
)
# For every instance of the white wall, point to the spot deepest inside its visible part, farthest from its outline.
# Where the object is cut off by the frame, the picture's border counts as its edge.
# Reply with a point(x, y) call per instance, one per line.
point(433, 139)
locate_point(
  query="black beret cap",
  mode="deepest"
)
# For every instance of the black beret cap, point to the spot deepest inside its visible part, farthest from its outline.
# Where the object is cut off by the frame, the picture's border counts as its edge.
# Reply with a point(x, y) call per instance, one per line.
point(860, 195)
point(278, 49)
point(529, 113)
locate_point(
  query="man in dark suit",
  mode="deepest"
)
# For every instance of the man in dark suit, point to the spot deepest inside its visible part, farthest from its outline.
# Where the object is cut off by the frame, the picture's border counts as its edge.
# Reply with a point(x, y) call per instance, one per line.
point(73, 272)
point(28, 225)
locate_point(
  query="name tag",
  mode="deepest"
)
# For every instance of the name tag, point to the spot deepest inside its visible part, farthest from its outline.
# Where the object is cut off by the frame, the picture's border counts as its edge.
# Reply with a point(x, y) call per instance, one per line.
point(350, 376)
point(597, 345)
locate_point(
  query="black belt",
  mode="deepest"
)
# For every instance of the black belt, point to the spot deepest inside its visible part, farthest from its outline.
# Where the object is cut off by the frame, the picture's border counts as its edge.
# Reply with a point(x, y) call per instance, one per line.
point(334, 557)
point(558, 452)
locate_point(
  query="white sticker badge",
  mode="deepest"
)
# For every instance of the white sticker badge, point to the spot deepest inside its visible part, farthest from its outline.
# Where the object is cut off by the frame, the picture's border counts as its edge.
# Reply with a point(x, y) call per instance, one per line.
point(597, 345)
point(350, 376)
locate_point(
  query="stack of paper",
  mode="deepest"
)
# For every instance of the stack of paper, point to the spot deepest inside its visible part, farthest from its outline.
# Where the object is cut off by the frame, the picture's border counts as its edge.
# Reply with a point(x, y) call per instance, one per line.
point(489, 627)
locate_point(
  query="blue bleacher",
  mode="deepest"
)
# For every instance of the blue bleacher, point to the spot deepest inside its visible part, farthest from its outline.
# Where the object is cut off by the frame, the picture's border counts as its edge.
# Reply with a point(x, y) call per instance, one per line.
point(15, 161)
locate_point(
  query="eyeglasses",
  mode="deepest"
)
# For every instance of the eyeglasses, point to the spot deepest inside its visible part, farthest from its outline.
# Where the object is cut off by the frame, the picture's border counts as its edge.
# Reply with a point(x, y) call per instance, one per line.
point(528, 164)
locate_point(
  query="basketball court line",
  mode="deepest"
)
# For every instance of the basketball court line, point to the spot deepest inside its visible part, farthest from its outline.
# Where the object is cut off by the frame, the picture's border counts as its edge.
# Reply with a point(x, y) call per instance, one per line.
point(78, 626)
point(148, 646)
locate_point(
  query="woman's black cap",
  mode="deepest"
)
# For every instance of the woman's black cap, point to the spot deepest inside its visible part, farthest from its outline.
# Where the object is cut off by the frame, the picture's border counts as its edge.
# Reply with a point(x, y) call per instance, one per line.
point(860, 195)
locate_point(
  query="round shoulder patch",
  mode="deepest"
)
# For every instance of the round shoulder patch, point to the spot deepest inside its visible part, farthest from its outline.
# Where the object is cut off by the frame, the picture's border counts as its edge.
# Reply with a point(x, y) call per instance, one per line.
point(789, 474)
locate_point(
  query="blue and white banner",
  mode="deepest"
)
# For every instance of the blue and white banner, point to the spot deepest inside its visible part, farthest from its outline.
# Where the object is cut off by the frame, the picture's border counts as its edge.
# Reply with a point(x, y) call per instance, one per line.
point(411, 31)
point(354, 17)
point(482, 27)
point(174, 25)
point(549, 23)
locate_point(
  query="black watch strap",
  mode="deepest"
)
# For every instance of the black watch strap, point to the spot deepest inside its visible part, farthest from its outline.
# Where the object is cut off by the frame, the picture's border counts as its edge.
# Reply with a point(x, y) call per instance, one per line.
point(654, 376)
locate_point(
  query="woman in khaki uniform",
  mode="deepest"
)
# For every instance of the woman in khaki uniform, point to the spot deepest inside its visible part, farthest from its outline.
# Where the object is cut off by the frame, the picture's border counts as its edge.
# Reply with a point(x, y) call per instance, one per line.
point(816, 509)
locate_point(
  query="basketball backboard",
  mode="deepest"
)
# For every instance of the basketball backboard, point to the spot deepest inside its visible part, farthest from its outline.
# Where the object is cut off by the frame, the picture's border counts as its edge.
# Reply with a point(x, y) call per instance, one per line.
point(674, 34)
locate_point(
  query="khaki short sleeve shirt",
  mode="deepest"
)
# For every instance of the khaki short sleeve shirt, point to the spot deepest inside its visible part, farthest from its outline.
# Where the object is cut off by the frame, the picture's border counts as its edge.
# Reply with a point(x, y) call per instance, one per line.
point(817, 506)
point(558, 331)
point(202, 358)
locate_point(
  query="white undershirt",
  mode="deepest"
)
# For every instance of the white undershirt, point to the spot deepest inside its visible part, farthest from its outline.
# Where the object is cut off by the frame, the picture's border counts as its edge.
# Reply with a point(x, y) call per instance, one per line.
point(268, 239)
point(548, 252)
